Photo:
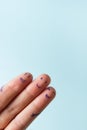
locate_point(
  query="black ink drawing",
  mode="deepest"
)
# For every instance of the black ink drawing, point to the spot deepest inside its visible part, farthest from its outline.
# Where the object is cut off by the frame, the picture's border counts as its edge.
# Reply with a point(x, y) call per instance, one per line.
point(22, 80)
point(34, 115)
point(49, 89)
point(28, 75)
point(41, 78)
point(45, 82)
point(47, 96)
point(38, 85)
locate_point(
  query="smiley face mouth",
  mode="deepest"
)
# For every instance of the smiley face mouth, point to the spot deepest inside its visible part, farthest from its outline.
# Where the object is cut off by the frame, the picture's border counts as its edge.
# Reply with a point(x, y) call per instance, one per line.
point(38, 85)
point(22, 80)
point(47, 96)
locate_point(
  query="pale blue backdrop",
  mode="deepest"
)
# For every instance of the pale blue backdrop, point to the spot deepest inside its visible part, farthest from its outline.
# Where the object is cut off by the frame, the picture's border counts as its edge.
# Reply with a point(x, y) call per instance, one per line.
point(48, 36)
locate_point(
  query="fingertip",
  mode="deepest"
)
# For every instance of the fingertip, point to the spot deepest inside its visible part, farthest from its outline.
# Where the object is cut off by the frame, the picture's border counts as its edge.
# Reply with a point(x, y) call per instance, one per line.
point(52, 89)
point(46, 77)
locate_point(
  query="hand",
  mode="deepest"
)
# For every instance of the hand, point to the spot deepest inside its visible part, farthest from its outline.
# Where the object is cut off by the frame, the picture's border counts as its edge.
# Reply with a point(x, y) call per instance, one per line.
point(23, 99)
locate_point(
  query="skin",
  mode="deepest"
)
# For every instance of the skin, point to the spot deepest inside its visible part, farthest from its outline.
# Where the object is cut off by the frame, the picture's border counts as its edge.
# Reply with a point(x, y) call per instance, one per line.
point(23, 99)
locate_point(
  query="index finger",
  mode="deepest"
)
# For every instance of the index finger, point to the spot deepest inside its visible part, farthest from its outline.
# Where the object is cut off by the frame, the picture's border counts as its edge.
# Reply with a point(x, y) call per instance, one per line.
point(9, 91)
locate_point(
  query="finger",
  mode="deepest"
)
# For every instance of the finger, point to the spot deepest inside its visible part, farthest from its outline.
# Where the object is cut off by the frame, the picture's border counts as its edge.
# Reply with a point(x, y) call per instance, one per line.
point(25, 117)
point(31, 92)
point(13, 88)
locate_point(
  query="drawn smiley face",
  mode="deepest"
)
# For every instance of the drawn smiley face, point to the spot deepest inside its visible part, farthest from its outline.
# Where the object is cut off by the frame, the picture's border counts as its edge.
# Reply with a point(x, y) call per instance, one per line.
point(47, 95)
point(38, 86)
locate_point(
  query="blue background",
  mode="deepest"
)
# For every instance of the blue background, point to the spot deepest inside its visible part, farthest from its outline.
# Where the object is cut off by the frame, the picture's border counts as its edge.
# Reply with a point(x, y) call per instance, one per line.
point(48, 36)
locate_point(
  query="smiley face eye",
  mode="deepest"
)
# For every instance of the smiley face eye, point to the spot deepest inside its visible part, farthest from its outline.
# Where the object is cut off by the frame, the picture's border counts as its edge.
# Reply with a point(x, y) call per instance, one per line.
point(54, 93)
point(48, 89)
point(25, 73)
point(45, 82)
point(41, 78)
